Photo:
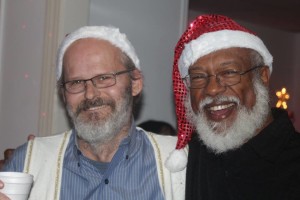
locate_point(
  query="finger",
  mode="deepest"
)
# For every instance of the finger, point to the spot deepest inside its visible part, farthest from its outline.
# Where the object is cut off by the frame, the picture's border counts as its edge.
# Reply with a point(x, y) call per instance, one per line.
point(30, 137)
point(3, 197)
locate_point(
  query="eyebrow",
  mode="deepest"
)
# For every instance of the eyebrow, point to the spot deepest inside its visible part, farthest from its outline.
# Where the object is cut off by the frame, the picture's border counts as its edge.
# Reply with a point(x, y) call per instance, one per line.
point(224, 64)
point(229, 63)
point(195, 67)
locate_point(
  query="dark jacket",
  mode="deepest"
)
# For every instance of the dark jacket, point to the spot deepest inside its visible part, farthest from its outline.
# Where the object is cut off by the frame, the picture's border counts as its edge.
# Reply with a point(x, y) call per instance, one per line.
point(266, 167)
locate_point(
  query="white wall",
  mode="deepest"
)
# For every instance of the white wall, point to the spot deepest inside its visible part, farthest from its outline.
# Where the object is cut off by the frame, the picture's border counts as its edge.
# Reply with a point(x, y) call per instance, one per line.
point(153, 27)
point(2, 15)
point(23, 26)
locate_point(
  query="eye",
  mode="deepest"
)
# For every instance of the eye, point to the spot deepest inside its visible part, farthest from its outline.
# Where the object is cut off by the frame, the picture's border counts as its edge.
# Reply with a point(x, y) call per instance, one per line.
point(75, 83)
point(103, 78)
point(198, 76)
point(229, 73)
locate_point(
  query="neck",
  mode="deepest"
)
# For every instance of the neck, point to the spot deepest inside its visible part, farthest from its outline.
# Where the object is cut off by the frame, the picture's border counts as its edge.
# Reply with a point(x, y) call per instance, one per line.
point(104, 151)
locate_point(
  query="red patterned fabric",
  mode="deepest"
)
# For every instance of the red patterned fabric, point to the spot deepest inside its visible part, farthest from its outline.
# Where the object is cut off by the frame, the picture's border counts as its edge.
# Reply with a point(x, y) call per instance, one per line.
point(202, 24)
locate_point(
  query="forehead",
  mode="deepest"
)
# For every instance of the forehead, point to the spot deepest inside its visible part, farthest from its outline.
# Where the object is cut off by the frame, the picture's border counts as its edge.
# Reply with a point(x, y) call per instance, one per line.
point(224, 57)
point(86, 45)
point(87, 57)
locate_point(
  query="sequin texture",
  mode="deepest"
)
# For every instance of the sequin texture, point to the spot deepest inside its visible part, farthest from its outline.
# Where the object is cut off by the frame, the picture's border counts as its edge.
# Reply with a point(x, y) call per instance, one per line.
point(202, 24)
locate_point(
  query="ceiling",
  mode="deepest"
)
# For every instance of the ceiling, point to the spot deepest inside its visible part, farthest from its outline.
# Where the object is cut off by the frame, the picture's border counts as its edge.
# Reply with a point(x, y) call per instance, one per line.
point(283, 15)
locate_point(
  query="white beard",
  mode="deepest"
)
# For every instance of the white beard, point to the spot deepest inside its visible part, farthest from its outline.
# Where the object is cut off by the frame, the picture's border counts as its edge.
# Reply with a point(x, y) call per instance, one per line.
point(101, 131)
point(242, 129)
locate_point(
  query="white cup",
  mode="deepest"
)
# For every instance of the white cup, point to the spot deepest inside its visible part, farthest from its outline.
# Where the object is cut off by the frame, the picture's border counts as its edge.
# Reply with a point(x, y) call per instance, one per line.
point(17, 185)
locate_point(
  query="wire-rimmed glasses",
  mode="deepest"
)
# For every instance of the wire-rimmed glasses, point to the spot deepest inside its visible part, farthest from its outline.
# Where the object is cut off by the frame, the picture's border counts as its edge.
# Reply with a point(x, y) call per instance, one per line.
point(224, 78)
point(99, 81)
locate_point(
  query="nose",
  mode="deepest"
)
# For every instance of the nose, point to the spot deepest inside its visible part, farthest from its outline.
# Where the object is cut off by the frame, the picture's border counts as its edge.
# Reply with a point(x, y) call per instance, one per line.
point(214, 87)
point(90, 90)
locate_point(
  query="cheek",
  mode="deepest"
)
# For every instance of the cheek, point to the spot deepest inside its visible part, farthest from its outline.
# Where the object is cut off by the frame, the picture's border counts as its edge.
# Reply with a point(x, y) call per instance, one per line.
point(196, 97)
point(73, 101)
point(119, 92)
point(249, 99)
point(247, 96)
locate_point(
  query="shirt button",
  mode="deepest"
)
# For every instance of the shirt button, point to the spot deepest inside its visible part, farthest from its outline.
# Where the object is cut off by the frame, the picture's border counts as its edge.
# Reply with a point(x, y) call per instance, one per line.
point(106, 181)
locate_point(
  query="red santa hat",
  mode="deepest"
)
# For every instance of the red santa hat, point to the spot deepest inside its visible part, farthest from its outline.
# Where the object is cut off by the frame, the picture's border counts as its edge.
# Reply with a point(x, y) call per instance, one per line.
point(206, 34)
point(108, 33)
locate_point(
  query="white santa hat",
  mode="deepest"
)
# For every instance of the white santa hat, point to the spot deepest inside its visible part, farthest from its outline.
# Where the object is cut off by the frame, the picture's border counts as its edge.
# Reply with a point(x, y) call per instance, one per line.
point(108, 33)
point(206, 34)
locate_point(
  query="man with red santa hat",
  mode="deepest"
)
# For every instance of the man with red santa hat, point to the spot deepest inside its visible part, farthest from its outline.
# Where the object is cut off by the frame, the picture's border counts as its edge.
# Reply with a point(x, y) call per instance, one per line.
point(239, 147)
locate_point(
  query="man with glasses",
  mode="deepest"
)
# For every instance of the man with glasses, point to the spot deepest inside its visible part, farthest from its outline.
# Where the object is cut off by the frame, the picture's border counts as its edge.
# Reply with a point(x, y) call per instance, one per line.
point(241, 149)
point(105, 156)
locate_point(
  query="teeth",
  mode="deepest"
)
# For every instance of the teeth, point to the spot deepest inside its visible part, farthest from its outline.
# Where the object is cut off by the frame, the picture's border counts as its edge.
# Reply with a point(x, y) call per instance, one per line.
point(94, 108)
point(220, 107)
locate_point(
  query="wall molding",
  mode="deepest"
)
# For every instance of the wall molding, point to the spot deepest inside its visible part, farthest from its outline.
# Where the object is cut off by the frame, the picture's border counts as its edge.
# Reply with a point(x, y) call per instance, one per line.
point(51, 42)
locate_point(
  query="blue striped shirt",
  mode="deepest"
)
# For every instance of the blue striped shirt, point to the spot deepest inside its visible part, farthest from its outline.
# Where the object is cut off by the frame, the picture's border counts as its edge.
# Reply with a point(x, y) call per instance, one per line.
point(132, 173)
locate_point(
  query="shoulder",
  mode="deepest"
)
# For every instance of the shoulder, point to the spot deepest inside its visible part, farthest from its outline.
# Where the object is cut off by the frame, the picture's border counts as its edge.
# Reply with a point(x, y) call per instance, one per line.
point(291, 150)
point(163, 138)
point(52, 140)
point(54, 137)
point(16, 163)
point(158, 139)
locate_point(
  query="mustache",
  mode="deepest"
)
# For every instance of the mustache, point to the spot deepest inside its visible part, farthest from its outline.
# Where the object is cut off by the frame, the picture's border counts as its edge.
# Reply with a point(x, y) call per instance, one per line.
point(87, 104)
point(218, 99)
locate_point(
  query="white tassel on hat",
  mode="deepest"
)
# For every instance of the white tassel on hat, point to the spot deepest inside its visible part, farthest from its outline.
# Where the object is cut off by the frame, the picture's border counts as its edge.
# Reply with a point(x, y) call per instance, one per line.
point(177, 160)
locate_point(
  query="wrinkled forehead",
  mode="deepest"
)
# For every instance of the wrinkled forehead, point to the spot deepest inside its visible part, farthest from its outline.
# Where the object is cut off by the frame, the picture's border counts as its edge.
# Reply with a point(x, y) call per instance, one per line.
point(234, 56)
point(86, 45)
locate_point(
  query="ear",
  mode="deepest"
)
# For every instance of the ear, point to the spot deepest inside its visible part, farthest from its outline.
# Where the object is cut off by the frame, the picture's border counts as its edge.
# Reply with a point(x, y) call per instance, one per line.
point(265, 75)
point(137, 82)
point(62, 95)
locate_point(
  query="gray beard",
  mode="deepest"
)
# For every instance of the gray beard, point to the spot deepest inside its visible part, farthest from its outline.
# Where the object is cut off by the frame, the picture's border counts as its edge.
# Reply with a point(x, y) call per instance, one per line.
point(242, 129)
point(100, 131)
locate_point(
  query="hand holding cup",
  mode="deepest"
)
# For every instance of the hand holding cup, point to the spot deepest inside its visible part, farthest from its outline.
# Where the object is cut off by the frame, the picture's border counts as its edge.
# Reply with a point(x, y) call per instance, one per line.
point(17, 185)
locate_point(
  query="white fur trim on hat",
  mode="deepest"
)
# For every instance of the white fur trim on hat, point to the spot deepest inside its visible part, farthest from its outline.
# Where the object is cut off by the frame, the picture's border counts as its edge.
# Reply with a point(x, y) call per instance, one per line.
point(177, 160)
point(110, 34)
point(213, 41)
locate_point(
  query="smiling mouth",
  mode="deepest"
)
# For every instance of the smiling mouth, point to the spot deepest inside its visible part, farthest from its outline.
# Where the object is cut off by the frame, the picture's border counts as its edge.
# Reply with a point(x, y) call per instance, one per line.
point(220, 112)
point(96, 108)
point(220, 107)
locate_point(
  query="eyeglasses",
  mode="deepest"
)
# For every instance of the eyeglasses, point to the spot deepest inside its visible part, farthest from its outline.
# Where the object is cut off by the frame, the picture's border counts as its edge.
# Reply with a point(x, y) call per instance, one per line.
point(224, 78)
point(99, 81)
